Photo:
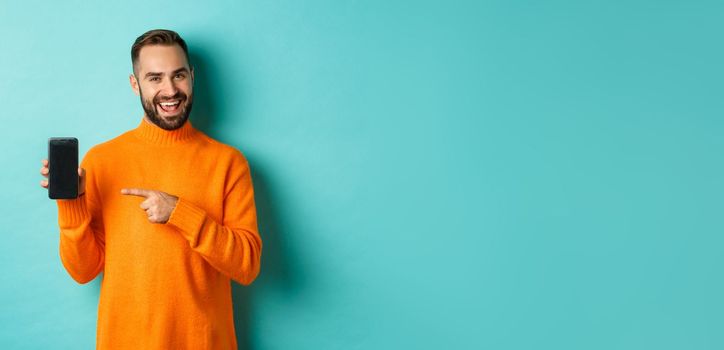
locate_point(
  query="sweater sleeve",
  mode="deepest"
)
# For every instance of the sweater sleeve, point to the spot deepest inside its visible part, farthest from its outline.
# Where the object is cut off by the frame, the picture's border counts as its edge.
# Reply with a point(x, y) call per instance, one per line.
point(82, 246)
point(233, 246)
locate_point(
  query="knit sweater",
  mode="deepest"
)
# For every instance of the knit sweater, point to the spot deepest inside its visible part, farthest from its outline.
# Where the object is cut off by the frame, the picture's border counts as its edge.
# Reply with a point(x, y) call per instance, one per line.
point(164, 286)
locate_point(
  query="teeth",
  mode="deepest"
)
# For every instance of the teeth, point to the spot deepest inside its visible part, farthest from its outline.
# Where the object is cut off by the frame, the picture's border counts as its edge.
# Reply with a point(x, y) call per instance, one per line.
point(169, 103)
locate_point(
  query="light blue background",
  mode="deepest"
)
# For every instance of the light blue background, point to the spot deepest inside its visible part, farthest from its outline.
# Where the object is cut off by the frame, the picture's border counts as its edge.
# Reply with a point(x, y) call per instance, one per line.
point(428, 175)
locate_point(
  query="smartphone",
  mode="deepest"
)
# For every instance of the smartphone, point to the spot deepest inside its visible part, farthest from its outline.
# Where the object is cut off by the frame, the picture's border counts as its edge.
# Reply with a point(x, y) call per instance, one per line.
point(63, 166)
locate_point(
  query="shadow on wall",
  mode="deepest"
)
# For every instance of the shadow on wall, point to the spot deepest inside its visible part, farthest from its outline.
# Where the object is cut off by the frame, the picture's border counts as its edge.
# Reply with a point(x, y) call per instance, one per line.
point(277, 270)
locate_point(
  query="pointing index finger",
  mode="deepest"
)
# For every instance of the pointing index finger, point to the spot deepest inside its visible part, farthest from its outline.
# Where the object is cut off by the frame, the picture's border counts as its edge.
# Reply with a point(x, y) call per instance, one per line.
point(136, 192)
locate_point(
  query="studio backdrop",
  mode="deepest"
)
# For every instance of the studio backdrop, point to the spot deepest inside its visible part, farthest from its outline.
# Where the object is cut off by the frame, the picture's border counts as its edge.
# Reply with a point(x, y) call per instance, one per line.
point(428, 174)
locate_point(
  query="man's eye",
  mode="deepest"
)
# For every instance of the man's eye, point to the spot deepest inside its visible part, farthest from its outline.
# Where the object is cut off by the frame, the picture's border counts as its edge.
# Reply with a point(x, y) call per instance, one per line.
point(154, 79)
point(180, 76)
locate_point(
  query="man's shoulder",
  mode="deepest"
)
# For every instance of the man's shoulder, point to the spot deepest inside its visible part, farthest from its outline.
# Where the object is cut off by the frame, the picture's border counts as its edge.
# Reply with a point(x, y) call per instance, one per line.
point(223, 150)
point(107, 149)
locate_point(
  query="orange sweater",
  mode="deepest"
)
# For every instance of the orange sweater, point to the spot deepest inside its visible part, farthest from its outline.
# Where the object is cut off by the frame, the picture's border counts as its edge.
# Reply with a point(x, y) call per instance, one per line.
point(165, 286)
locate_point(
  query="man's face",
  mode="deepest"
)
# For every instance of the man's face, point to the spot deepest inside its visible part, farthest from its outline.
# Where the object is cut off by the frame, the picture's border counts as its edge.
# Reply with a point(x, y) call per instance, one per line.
point(164, 81)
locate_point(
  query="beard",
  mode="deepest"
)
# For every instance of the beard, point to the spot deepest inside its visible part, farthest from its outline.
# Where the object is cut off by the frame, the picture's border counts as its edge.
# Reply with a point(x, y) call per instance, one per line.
point(172, 122)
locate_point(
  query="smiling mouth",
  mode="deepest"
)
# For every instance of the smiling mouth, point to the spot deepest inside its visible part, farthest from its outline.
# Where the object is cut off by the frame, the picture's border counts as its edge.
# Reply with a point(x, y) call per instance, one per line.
point(169, 106)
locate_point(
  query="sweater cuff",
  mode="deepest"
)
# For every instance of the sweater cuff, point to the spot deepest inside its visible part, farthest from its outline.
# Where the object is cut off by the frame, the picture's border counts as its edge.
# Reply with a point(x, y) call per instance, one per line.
point(72, 213)
point(188, 219)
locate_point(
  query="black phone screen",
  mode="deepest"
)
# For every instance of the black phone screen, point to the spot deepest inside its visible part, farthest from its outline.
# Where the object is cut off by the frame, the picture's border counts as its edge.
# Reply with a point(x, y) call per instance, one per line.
point(63, 167)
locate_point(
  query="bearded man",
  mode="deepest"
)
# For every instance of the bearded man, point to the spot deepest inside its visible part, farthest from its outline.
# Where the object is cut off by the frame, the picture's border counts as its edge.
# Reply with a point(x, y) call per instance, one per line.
point(166, 213)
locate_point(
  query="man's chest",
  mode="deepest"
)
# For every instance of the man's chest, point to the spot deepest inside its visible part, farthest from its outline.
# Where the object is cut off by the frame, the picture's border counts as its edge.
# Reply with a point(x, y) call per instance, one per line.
point(193, 175)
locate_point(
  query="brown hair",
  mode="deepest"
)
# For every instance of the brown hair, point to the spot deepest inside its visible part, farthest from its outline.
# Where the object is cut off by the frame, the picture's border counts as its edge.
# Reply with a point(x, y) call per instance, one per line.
point(157, 37)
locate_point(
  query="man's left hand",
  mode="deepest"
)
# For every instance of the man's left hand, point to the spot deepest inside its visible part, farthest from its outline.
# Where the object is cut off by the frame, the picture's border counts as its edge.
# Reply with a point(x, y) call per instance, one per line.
point(158, 205)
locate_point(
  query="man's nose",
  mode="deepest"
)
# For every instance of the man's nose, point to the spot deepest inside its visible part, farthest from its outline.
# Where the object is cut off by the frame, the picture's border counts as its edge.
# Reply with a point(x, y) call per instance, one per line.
point(168, 88)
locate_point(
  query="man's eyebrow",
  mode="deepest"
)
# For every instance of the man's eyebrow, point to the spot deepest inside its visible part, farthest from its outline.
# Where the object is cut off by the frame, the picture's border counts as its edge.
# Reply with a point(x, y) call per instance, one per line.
point(156, 74)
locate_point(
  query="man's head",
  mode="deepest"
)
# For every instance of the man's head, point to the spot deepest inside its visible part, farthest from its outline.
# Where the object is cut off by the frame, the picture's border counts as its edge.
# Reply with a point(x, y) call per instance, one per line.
point(163, 77)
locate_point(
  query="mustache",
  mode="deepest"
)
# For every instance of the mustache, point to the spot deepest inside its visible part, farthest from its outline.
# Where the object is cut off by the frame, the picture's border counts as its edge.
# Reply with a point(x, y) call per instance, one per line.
point(177, 96)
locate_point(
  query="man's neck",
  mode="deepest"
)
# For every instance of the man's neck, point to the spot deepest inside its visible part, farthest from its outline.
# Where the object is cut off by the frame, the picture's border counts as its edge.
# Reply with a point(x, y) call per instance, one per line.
point(148, 120)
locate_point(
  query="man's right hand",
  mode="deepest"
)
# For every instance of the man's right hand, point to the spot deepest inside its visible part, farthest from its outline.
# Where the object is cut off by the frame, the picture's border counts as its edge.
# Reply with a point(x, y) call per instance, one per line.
point(44, 170)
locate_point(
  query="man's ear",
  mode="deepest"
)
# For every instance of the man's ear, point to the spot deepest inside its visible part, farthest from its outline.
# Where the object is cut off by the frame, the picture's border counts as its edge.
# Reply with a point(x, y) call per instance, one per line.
point(134, 84)
point(193, 80)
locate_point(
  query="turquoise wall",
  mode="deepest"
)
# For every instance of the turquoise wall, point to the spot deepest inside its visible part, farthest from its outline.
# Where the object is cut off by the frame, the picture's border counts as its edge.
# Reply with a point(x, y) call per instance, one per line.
point(428, 175)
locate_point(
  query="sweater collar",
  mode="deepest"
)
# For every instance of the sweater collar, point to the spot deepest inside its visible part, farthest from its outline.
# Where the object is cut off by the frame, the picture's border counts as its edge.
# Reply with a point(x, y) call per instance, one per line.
point(152, 133)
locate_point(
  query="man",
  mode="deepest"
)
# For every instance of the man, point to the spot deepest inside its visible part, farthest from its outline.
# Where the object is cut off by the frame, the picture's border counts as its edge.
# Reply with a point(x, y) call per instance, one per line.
point(166, 213)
